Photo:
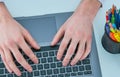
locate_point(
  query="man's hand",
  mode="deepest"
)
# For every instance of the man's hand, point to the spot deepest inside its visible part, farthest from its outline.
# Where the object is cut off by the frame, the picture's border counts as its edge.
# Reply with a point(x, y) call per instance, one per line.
point(77, 31)
point(12, 37)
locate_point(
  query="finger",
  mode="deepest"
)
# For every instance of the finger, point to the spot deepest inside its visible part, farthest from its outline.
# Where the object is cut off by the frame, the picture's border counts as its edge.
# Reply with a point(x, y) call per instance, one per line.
point(87, 50)
point(62, 47)
point(79, 53)
point(20, 58)
point(30, 40)
point(58, 36)
point(28, 51)
point(4, 61)
point(9, 61)
point(70, 51)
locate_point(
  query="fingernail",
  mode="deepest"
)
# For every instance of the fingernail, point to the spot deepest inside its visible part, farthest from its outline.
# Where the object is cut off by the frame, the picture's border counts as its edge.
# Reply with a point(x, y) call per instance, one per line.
point(72, 64)
point(30, 69)
point(64, 64)
point(58, 58)
point(19, 74)
point(10, 71)
point(51, 43)
point(36, 61)
point(38, 47)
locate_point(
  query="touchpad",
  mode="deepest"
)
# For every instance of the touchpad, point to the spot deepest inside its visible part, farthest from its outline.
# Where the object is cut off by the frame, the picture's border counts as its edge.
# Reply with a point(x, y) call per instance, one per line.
point(42, 29)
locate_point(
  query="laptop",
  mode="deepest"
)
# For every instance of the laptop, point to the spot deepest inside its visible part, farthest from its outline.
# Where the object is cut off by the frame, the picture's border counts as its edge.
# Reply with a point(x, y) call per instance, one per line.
point(43, 29)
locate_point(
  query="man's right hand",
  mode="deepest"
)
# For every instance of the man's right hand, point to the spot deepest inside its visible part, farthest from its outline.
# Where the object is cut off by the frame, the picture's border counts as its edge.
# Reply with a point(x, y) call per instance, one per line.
point(12, 37)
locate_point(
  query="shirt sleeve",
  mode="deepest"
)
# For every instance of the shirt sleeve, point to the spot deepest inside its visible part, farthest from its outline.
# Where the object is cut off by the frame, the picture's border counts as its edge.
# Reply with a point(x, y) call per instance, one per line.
point(101, 1)
point(1, 0)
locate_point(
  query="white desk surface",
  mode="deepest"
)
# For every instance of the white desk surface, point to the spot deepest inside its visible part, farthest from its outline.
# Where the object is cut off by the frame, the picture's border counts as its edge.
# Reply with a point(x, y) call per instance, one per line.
point(110, 64)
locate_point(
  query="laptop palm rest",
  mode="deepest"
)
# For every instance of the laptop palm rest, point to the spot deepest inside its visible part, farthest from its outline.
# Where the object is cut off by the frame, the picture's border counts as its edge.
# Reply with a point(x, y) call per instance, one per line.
point(42, 29)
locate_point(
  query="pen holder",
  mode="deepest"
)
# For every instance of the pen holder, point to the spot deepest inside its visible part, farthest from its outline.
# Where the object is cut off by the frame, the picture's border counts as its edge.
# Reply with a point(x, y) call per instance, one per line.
point(111, 37)
point(110, 45)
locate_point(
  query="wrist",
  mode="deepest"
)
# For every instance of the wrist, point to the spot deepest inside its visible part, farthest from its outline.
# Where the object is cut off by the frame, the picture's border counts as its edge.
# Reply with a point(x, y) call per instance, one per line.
point(4, 13)
point(88, 8)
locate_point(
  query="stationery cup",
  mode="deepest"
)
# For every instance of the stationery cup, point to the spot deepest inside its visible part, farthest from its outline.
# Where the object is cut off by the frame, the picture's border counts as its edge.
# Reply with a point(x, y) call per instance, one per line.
point(110, 45)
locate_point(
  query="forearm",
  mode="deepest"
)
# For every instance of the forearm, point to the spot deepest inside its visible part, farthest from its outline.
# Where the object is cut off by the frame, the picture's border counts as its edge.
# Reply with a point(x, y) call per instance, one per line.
point(4, 13)
point(88, 8)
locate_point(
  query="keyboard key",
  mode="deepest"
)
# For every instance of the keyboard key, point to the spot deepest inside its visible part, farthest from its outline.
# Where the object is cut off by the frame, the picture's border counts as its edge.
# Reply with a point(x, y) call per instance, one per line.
point(67, 75)
point(30, 74)
point(21, 69)
point(79, 63)
point(53, 65)
point(34, 67)
point(68, 69)
point(43, 60)
point(30, 62)
point(55, 59)
point(40, 67)
point(23, 74)
point(49, 72)
point(73, 74)
point(62, 70)
point(56, 71)
point(51, 53)
point(39, 55)
point(54, 75)
point(15, 75)
point(59, 64)
point(86, 61)
point(46, 66)
point(81, 68)
point(2, 65)
point(75, 69)
point(87, 72)
point(2, 75)
point(6, 71)
point(60, 75)
point(43, 72)
point(80, 73)
point(56, 52)
point(47, 76)
point(36, 73)
point(0, 59)
point(50, 59)
point(62, 58)
point(10, 75)
point(45, 54)
point(88, 67)
point(1, 71)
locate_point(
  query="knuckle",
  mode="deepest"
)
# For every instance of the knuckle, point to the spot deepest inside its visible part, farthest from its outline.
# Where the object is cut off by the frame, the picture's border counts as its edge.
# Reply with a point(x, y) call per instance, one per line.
point(19, 59)
point(89, 37)
point(71, 50)
point(78, 34)
point(77, 57)
point(26, 32)
point(28, 51)
point(9, 61)
point(63, 45)
point(18, 39)
point(68, 33)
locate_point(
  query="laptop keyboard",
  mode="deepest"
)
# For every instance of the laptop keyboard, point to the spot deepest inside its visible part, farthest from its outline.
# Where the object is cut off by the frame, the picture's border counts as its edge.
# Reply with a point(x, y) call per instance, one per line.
point(49, 66)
